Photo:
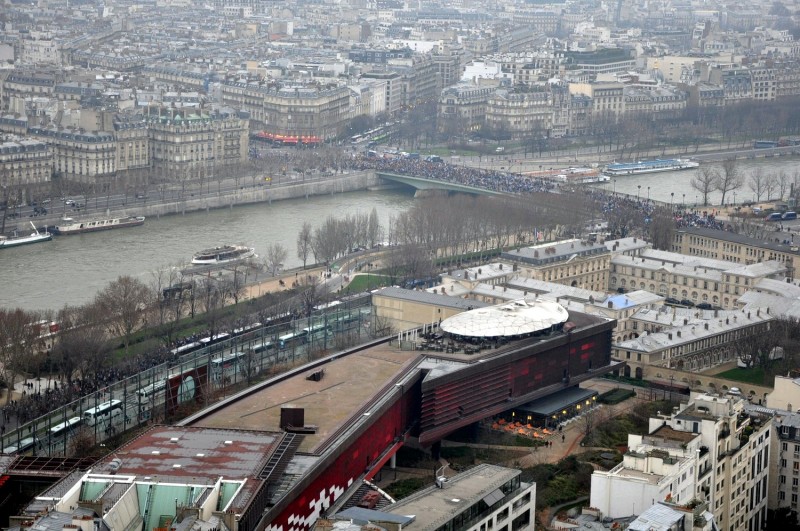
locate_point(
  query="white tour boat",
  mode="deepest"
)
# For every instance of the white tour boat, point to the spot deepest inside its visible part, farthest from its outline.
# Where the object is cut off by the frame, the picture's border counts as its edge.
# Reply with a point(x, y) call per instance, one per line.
point(223, 255)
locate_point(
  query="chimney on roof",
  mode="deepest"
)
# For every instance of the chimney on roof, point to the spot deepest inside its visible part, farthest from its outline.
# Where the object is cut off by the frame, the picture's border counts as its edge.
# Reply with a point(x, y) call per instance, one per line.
point(685, 321)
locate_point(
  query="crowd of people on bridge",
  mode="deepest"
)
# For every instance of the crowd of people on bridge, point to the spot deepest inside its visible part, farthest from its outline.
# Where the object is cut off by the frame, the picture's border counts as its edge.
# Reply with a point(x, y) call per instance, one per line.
point(487, 179)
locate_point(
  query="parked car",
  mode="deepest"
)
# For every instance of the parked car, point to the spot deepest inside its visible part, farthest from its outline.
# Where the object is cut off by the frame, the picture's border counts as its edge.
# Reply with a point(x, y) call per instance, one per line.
point(670, 300)
point(789, 215)
point(704, 306)
point(775, 216)
point(687, 302)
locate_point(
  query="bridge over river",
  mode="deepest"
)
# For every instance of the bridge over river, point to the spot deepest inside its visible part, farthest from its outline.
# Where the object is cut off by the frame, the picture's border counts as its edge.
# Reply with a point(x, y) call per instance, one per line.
point(425, 184)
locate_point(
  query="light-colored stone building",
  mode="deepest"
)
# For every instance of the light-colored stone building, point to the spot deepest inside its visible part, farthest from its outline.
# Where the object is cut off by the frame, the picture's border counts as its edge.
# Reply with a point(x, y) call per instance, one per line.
point(299, 112)
point(687, 341)
point(188, 143)
point(734, 247)
point(24, 166)
point(79, 155)
point(688, 278)
point(574, 262)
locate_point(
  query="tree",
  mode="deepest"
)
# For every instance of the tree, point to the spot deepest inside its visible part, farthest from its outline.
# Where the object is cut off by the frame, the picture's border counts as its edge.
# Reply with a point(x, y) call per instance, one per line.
point(122, 304)
point(274, 258)
point(782, 184)
point(704, 182)
point(82, 345)
point(304, 238)
point(20, 341)
point(757, 184)
point(662, 229)
point(729, 179)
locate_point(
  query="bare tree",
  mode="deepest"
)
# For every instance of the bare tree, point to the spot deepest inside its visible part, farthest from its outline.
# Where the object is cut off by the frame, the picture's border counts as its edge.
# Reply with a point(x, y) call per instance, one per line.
point(661, 229)
point(123, 303)
point(782, 184)
point(274, 257)
point(704, 182)
point(770, 185)
point(373, 229)
point(304, 238)
point(757, 183)
point(730, 178)
point(20, 341)
point(82, 345)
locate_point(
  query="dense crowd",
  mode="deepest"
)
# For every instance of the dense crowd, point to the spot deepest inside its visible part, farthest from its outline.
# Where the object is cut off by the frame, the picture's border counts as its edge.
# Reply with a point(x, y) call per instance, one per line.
point(497, 181)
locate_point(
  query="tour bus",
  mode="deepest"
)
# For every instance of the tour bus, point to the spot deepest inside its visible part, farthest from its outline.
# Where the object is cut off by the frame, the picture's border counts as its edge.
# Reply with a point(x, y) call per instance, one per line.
point(104, 413)
point(21, 446)
point(65, 428)
point(264, 346)
point(226, 365)
point(151, 397)
point(292, 339)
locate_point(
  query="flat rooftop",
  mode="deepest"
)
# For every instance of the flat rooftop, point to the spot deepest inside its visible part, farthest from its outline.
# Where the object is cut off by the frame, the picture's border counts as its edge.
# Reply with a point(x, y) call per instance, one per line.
point(433, 507)
point(180, 453)
point(348, 383)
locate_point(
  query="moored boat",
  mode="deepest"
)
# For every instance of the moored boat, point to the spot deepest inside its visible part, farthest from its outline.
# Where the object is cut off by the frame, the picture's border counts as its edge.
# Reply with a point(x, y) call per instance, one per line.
point(649, 166)
point(223, 255)
point(572, 175)
point(34, 237)
point(72, 226)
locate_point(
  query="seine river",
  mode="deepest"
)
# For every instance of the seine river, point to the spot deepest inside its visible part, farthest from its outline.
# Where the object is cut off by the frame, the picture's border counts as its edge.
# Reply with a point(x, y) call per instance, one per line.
point(72, 269)
point(662, 185)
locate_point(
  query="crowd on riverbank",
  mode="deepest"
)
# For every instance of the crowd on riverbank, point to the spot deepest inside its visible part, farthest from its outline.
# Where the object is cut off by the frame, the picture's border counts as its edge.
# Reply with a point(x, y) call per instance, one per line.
point(494, 180)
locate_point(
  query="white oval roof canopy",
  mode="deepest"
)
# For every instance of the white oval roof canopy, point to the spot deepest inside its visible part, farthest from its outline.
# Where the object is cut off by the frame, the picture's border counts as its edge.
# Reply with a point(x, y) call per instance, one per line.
point(517, 318)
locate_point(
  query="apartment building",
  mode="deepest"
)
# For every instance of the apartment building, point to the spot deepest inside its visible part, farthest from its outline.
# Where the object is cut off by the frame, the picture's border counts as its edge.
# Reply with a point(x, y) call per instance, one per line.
point(24, 164)
point(295, 111)
point(133, 145)
point(521, 115)
point(462, 107)
point(711, 452)
point(188, 143)
point(607, 98)
point(574, 262)
point(734, 247)
point(785, 474)
point(27, 84)
point(79, 155)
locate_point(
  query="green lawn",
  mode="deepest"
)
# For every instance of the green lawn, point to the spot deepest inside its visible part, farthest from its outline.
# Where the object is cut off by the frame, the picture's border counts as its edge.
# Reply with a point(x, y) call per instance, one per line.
point(753, 376)
point(362, 283)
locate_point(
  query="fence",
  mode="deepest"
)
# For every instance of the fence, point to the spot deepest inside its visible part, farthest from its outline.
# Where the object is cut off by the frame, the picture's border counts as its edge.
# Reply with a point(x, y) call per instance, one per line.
point(196, 379)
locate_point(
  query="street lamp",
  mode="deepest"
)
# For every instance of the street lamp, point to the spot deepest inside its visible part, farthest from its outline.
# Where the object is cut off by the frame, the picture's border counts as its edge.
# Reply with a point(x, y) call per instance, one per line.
point(638, 191)
point(734, 198)
point(671, 199)
point(648, 194)
point(615, 186)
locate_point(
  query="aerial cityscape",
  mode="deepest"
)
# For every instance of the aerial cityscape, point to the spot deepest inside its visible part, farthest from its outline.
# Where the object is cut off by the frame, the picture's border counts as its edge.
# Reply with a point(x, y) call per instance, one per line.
point(373, 264)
